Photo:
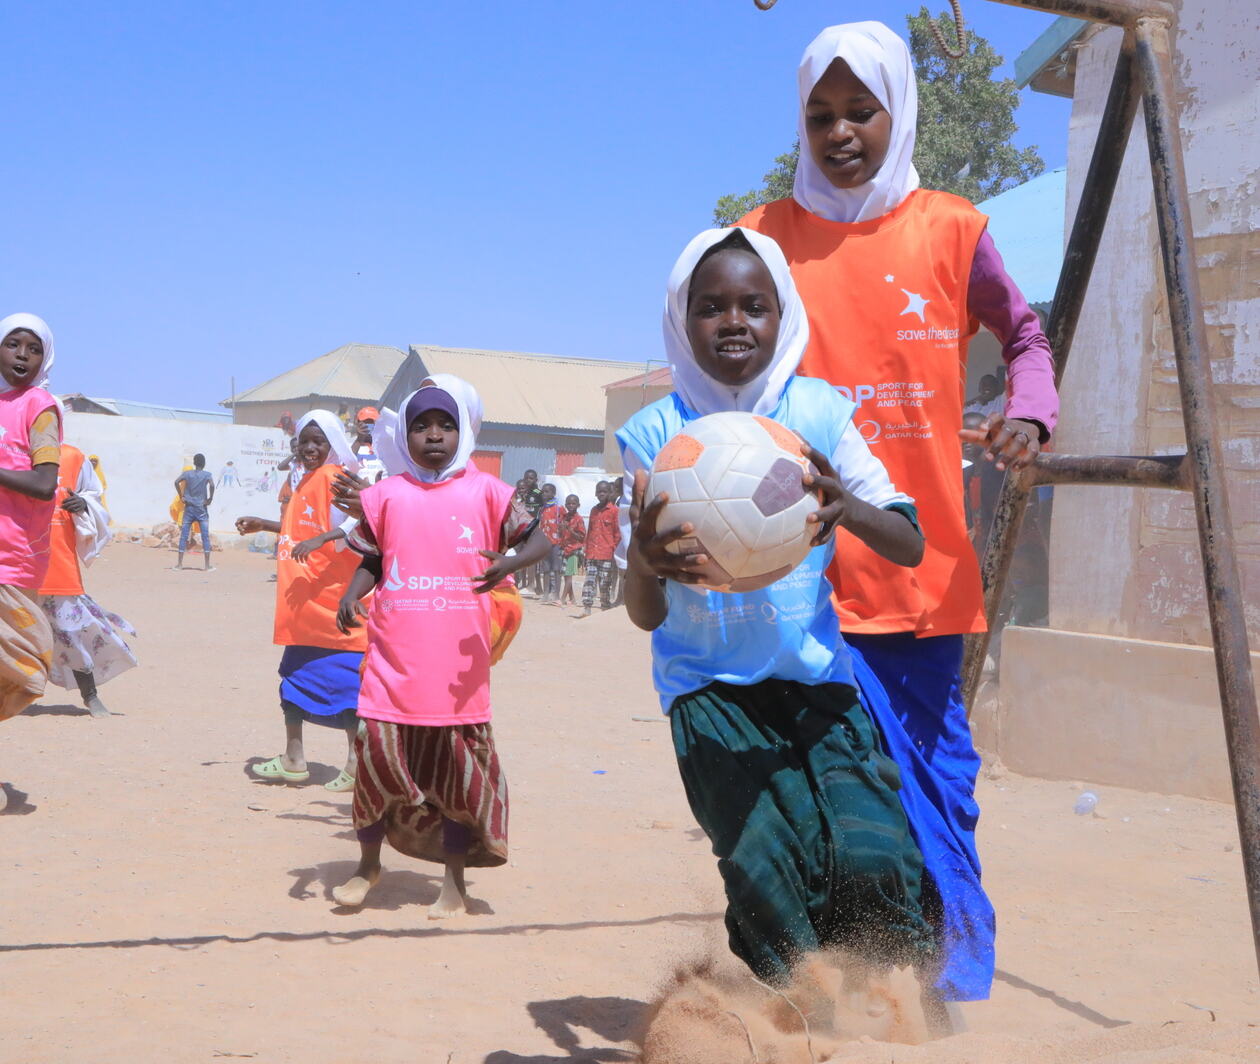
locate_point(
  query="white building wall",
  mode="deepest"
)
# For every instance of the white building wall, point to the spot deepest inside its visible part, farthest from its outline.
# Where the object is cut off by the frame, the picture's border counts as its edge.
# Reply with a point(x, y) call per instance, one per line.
point(141, 457)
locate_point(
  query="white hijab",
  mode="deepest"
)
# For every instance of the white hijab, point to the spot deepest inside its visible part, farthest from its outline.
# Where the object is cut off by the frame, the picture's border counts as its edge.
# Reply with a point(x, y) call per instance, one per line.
point(330, 425)
point(881, 60)
point(698, 390)
point(40, 328)
point(389, 436)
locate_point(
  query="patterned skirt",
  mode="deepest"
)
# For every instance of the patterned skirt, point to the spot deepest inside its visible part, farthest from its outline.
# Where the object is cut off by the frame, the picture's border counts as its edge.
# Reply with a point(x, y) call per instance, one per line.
point(25, 650)
point(411, 777)
point(86, 638)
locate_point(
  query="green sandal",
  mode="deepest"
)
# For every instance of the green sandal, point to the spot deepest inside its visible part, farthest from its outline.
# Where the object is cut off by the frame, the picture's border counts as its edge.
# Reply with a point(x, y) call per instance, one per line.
point(343, 782)
point(274, 772)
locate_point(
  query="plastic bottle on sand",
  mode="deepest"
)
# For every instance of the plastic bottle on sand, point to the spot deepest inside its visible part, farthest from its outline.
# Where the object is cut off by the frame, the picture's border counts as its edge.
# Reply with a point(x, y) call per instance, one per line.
point(1085, 803)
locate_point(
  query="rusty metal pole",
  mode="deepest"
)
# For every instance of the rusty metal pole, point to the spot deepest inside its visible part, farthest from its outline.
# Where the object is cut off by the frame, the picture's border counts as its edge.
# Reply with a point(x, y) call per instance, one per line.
point(1069, 296)
point(1203, 457)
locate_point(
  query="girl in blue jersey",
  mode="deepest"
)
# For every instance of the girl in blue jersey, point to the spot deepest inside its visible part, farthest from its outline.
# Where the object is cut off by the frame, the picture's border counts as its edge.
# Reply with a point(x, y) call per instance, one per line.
point(783, 767)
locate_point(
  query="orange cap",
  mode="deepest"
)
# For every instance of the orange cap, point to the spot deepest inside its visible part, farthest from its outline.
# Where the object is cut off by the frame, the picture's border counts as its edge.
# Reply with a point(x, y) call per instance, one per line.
point(368, 413)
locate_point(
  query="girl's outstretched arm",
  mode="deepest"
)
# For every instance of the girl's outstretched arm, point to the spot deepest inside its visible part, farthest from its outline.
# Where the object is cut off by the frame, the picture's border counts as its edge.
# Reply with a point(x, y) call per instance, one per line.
point(888, 533)
point(246, 525)
point(350, 609)
point(37, 483)
point(535, 548)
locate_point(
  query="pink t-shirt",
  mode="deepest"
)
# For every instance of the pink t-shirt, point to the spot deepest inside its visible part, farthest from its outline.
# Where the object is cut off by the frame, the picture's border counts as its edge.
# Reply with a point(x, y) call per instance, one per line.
point(428, 654)
point(25, 523)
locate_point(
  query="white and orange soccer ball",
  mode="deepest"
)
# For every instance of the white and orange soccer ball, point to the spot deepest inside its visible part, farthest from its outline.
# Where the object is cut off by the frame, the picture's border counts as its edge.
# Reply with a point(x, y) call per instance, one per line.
point(736, 478)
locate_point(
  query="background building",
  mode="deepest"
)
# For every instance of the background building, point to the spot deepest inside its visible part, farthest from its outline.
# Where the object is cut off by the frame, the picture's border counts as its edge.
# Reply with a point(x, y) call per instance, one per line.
point(353, 375)
point(542, 412)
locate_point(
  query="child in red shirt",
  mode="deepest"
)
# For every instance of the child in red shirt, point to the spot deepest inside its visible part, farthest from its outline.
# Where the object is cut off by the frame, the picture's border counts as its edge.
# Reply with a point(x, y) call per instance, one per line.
point(572, 540)
point(602, 537)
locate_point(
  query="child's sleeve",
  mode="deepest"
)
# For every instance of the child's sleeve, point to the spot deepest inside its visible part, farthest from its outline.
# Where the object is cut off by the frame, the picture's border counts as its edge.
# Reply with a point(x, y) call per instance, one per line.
point(863, 475)
point(994, 299)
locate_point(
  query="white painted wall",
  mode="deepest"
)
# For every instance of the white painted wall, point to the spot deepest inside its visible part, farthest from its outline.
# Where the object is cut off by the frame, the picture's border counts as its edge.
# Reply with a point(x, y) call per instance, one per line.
point(141, 457)
point(1126, 562)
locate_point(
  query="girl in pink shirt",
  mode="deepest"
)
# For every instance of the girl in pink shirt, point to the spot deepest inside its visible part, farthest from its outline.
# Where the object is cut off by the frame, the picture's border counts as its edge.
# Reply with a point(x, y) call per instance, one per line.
point(30, 449)
point(428, 776)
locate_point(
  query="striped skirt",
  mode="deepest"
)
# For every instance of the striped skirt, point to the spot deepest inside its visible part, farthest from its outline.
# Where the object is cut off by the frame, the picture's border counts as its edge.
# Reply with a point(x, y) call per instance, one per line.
point(411, 777)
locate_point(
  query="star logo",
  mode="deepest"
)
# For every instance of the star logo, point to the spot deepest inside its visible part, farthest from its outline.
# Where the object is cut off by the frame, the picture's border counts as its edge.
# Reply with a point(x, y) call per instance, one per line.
point(889, 278)
point(467, 533)
point(915, 304)
point(309, 512)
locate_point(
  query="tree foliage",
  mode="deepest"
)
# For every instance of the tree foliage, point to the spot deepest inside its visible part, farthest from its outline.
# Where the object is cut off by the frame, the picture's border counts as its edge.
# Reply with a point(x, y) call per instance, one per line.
point(963, 140)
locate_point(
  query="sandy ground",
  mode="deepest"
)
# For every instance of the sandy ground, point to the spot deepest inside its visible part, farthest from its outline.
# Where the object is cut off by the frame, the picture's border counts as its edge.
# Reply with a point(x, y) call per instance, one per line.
point(161, 905)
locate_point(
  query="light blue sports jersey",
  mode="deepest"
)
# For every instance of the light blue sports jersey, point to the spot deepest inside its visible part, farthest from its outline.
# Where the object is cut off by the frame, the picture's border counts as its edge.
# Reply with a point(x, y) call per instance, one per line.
point(787, 631)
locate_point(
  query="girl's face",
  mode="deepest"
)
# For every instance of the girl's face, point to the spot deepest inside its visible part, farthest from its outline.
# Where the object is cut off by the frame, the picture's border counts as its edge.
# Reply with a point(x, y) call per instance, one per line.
point(21, 356)
point(847, 127)
point(313, 447)
point(733, 316)
point(433, 439)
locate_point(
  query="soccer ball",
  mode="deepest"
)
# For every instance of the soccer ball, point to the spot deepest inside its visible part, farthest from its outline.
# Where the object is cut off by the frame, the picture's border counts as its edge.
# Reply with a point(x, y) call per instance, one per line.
point(736, 478)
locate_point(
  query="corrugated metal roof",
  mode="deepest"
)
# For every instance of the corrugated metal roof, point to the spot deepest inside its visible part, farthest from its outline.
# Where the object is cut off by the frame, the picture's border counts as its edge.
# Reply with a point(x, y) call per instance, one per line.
point(655, 378)
point(1026, 223)
point(538, 390)
point(358, 372)
point(131, 408)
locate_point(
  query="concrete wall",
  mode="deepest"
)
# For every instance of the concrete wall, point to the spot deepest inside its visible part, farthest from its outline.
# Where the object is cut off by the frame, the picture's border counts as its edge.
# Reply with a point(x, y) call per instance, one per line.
point(1125, 563)
point(141, 458)
point(622, 404)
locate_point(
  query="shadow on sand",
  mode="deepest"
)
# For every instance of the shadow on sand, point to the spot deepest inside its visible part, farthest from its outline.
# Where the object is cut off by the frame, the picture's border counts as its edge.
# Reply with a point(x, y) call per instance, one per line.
point(614, 1019)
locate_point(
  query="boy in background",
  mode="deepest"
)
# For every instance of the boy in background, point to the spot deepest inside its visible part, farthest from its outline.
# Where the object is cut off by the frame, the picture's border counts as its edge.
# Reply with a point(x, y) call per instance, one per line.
point(572, 540)
point(549, 514)
point(603, 533)
point(195, 488)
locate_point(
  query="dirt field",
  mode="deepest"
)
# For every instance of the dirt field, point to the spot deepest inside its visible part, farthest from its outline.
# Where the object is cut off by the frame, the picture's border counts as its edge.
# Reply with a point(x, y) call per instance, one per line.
point(160, 905)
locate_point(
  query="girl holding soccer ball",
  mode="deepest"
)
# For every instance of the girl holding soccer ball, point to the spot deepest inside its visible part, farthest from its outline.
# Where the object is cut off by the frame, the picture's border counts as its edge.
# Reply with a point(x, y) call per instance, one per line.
point(783, 766)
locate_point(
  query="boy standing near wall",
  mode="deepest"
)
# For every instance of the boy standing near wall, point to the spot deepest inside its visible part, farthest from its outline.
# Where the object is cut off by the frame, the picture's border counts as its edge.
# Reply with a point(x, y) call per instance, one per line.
point(195, 488)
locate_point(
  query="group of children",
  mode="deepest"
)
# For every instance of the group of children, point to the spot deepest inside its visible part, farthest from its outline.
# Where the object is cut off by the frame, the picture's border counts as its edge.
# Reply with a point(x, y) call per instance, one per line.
point(577, 545)
point(825, 751)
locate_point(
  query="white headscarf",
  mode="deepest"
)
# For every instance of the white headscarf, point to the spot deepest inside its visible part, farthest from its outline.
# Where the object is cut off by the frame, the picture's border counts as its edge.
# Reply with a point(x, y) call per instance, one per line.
point(40, 328)
point(703, 393)
point(330, 425)
point(881, 61)
point(389, 436)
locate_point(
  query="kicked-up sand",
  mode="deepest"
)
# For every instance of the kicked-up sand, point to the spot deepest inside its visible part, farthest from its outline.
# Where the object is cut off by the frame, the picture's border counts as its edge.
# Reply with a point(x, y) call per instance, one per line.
point(159, 904)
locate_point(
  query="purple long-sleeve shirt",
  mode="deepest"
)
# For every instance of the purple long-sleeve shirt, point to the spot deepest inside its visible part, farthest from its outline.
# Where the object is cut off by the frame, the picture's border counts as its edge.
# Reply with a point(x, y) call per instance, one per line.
point(996, 302)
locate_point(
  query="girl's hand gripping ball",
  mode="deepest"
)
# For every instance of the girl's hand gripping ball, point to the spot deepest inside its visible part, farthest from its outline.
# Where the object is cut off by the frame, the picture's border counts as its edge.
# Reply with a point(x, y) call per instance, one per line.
point(826, 484)
point(648, 549)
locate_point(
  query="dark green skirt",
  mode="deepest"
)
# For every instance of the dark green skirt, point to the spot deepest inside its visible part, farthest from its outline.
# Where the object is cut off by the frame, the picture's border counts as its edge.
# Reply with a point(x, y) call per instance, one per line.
point(790, 784)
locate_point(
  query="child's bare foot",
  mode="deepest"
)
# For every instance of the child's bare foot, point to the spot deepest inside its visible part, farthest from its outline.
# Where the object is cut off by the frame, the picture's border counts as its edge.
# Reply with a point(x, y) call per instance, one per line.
point(453, 898)
point(449, 903)
point(354, 891)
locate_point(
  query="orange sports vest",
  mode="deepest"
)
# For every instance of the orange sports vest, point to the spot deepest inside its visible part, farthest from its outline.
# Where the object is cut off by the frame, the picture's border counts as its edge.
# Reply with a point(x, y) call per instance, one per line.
point(64, 576)
point(888, 326)
point(307, 595)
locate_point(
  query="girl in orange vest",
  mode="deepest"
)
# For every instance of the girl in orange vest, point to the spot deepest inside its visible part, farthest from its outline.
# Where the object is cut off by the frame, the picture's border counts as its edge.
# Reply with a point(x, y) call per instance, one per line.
point(88, 644)
point(896, 280)
point(319, 669)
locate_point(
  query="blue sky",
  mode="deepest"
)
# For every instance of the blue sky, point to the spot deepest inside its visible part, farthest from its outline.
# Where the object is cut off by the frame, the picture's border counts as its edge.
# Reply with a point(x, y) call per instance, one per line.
point(196, 192)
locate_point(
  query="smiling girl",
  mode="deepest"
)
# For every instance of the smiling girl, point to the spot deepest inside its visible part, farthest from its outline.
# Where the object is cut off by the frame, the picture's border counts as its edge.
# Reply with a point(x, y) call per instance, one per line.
point(782, 765)
point(319, 669)
point(30, 449)
point(897, 279)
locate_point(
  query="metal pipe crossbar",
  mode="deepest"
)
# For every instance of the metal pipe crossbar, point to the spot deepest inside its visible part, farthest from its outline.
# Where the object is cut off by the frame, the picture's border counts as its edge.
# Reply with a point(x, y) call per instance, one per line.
point(1144, 70)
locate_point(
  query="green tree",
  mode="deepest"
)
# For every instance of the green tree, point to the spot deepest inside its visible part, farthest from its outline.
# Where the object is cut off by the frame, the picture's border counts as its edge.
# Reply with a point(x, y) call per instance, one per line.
point(966, 122)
